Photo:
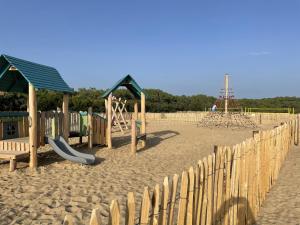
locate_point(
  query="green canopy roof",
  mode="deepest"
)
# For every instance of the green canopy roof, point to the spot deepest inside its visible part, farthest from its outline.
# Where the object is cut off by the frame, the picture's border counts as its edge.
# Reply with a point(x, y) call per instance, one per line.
point(129, 83)
point(15, 74)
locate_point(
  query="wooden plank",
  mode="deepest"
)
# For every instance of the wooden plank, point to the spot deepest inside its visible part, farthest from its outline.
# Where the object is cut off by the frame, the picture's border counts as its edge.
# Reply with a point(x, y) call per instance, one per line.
point(183, 199)
point(173, 199)
point(216, 170)
point(102, 132)
point(95, 217)
point(190, 204)
point(210, 205)
point(12, 165)
point(43, 129)
point(90, 127)
point(66, 121)
point(9, 148)
point(109, 121)
point(164, 202)
point(204, 202)
point(196, 194)
point(218, 186)
point(133, 137)
point(155, 205)
point(1, 130)
point(144, 219)
point(38, 138)
point(199, 196)
point(130, 209)
point(227, 197)
point(242, 183)
point(143, 117)
point(114, 214)
point(98, 128)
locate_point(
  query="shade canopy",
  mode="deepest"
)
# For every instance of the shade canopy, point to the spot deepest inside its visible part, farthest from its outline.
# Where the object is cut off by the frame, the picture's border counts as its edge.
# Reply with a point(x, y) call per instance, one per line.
point(127, 82)
point(16, 74)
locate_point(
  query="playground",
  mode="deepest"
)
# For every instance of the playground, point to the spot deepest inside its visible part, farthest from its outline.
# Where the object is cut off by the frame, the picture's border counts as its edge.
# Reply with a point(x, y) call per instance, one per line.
point(59, 186)
point(59, 163)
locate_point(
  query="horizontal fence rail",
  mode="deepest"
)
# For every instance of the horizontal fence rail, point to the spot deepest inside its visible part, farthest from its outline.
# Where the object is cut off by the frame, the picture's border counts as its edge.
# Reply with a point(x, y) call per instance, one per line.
point(227, 187)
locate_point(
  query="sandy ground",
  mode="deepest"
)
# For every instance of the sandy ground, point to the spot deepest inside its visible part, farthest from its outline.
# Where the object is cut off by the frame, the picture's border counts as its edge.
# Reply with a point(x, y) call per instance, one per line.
point(282, 204)
point(59, 187)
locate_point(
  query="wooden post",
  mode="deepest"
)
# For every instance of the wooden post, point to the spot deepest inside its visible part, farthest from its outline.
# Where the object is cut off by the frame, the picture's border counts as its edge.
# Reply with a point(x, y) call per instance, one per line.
point(136, 109)
point(133, 137)
point(143, 117)
point(43, 129)
point(109, 118)
point(298, 130)
point(27, 103)
point(32, 126)
point(65, 108)
point(90, 126)
point(226, 92)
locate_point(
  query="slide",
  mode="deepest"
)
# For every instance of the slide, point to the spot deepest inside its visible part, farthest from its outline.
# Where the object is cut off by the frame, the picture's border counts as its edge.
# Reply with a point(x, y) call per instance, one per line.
point(62, 148)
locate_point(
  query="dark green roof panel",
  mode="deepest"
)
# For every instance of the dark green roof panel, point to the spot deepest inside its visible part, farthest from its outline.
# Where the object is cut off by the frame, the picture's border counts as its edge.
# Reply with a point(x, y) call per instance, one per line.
point(40, 76)
point(127, 82)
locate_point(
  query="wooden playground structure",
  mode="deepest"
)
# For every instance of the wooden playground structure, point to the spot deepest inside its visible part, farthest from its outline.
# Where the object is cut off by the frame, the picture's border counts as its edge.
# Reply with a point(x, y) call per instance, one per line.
point(22, 133)
point(115, 108)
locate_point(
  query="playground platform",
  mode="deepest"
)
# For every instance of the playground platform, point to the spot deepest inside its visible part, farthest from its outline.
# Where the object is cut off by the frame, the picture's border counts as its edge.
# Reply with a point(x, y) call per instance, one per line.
point(15, 144)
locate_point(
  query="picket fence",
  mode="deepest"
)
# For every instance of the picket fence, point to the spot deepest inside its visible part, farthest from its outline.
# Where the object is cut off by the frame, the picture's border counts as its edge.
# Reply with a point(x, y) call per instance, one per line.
point(227, 187)
point(258, 118)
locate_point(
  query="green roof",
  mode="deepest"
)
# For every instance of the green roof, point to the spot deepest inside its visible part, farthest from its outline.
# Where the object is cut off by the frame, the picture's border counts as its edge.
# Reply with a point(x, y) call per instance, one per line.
point(15, 74)
point(129, 83)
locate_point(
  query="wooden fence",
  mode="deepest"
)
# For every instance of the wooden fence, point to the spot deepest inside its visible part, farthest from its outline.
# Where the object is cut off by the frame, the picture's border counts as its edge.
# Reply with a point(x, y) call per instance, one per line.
point(227, 187)
point(258, 118)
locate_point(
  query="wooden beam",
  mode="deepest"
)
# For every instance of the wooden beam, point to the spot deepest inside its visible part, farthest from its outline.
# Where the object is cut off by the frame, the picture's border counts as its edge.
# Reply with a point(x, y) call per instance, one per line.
point(109, 120)
point(133, 137)
point(136, 109)
point(32, 126)
point(90, 127)
point(65, 108)
point(143, 117)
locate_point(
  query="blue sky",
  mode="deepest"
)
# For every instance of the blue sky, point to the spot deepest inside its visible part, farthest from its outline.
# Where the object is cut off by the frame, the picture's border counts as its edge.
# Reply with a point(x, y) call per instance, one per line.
point(183, 47)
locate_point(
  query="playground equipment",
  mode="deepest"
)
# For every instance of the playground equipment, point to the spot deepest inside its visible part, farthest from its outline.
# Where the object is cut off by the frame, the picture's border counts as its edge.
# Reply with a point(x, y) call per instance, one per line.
point(21, 133)
point(136, 135)
point(138, 94)
point(119, 113)
point(61, 147)
point(230, 116)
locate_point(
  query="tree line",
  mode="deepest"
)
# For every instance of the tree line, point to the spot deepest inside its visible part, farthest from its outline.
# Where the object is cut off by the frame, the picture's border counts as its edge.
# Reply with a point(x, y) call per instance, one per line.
point(156, 101)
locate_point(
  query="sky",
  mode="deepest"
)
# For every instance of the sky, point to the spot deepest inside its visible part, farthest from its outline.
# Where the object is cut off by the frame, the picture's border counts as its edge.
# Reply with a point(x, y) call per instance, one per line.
point(182, 47)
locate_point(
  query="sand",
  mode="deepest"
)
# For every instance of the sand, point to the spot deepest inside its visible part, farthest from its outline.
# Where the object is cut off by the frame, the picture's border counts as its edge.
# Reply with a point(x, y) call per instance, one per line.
point(60, 187)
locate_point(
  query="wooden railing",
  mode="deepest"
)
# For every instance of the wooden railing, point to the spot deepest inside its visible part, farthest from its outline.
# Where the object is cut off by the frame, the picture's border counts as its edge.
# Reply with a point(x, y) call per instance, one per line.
point(227, 187)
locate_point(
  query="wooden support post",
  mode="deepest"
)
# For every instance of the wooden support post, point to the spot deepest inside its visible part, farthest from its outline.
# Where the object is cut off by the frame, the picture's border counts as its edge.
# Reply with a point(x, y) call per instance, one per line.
point(65, 108)
point(12, 165)
point(109, 120)
point(226, 92)
point(90, 126)
point(136, 110)
point(297, 129)
point(42, 129)
point(27, 101)
point(143, 117)
point(32, 126)
point(133, 137)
